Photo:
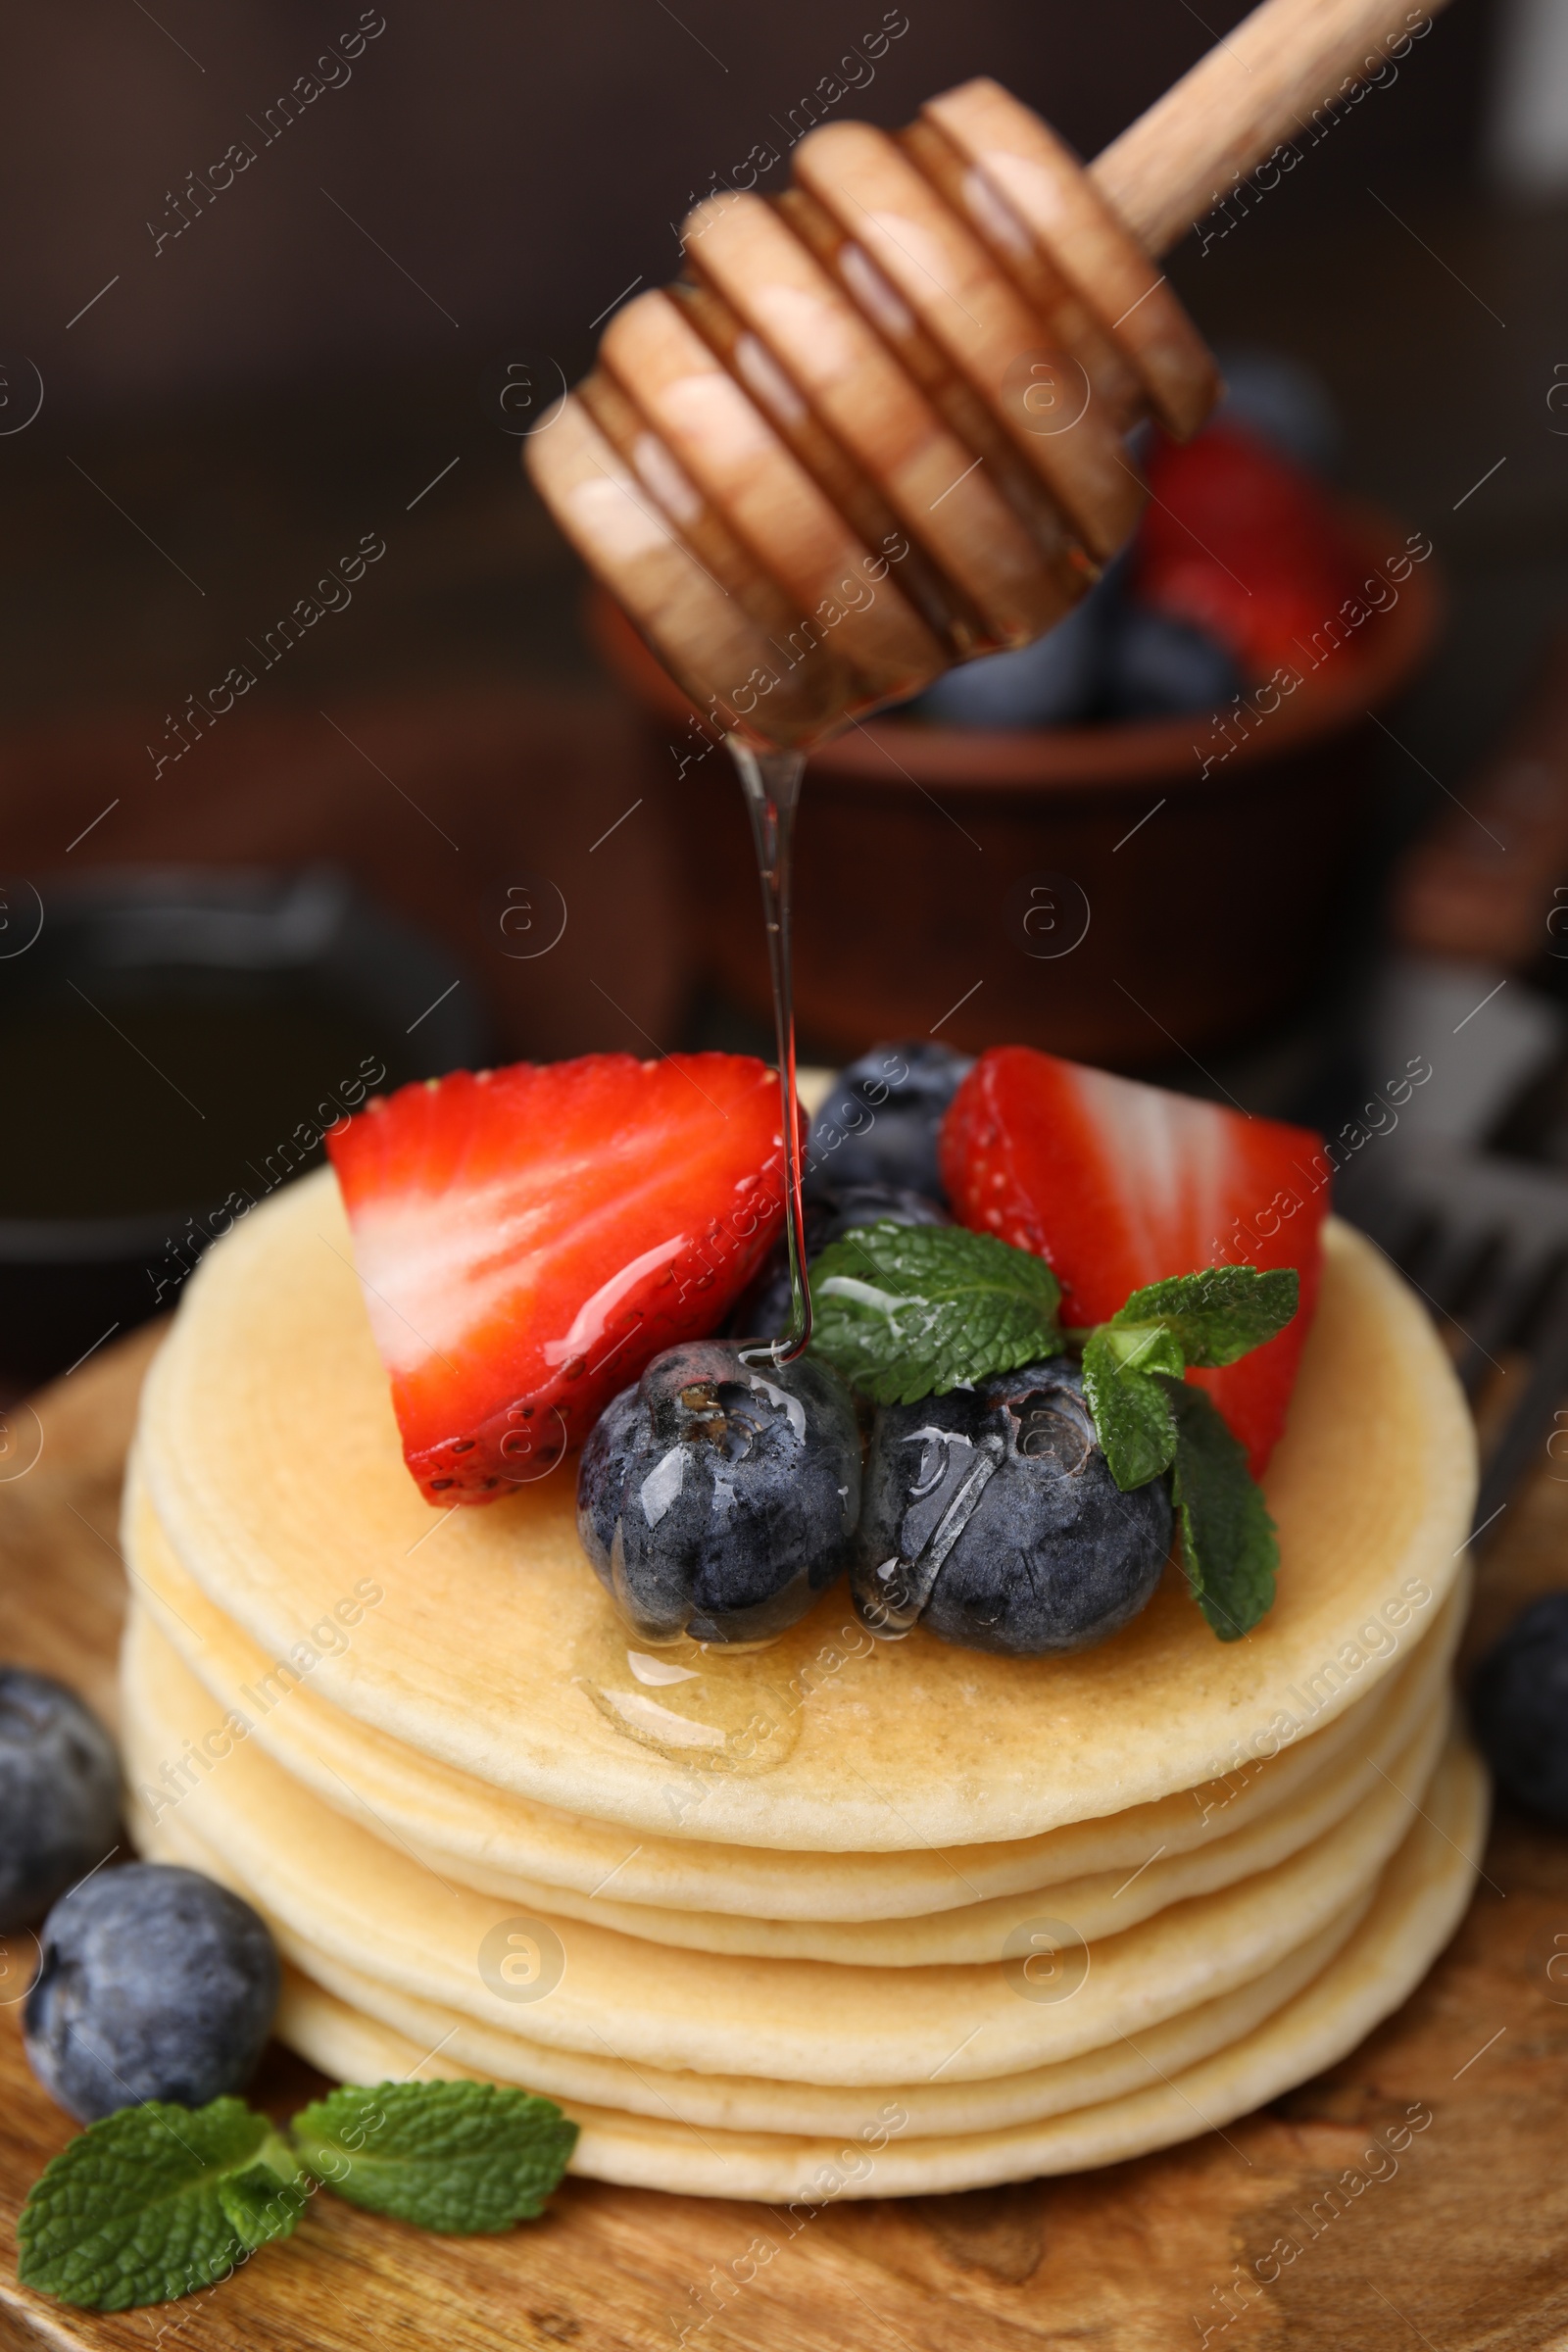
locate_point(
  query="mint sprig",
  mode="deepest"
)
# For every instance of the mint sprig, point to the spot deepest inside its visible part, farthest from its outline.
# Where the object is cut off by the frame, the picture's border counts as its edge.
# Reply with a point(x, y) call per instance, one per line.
point(1199, 1320)
point(1150, 1420)
point(1217, 1314)
point(905, 1312)
point(1132, 1416)
point(157, 2201)
point(460, 2157)
point(1229, 1550)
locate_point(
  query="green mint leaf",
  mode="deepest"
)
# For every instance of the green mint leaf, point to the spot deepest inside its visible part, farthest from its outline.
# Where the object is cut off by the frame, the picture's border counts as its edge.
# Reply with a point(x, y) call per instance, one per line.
point(156, 2201)
point(905, 1312)
point(267, 2201)
point(462, 2157)
point(1229, 1547)
point(1134, 1422)
point(1219, 1313)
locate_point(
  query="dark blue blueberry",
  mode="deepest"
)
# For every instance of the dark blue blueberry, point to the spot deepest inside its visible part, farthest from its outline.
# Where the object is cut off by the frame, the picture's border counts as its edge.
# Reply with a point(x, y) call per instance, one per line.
point(992, 1519)
point(719, 1498)
point(764, 1310)
point(1519, 1707)
point(1047, 684)
point(156, 1983)
point(1156, 667)
point(1285, 403)
point(856, 1204)
point(58, 1794)
point(880, 1118)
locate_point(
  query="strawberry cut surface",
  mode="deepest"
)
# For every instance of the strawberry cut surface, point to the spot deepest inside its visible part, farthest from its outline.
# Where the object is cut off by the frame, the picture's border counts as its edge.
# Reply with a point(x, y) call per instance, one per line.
point(1117, 1184)
point(529, 1239)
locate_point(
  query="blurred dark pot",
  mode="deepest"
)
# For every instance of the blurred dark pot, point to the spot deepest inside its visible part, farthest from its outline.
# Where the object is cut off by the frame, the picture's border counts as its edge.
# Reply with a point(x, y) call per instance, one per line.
point(283, 995)
point(937, 867)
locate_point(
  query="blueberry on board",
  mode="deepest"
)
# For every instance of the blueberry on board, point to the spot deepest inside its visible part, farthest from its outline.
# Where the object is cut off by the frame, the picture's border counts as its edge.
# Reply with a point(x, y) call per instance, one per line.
point(719, 1498)
point(762, 1311)
point(1156, 666)
point(155, 1984)
point(880, 1118)
point(992, 1519)
point(58, 1794)
point(1519, 1708)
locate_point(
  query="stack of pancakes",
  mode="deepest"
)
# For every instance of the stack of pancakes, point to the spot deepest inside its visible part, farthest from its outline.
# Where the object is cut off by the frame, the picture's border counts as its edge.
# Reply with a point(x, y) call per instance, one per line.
point(831, 1917)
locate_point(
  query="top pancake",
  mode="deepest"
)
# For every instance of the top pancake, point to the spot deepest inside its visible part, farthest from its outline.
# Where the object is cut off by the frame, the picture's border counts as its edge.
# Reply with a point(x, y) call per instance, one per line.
point(470, 1829)
point(272, 1458)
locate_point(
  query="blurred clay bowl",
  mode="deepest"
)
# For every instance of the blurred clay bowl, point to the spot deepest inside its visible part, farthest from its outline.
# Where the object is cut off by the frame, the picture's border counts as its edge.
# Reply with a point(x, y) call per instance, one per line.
point(924, 852)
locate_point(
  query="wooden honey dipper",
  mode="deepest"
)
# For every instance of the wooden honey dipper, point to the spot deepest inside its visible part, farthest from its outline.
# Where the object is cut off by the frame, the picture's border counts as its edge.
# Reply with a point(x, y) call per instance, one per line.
point(878, 426)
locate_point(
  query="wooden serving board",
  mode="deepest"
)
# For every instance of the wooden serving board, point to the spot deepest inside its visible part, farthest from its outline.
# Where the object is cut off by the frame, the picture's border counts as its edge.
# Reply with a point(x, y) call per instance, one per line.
point(1464, 2244)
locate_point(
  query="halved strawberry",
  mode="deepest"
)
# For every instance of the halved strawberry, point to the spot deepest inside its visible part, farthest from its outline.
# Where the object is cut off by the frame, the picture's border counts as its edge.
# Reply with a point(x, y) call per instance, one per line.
point(529, 1239)
point(1117, 1183)
point(1243, 543)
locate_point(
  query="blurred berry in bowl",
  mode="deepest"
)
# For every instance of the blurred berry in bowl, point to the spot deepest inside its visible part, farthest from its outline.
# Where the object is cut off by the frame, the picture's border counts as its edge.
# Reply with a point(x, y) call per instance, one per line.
point(1047, 684)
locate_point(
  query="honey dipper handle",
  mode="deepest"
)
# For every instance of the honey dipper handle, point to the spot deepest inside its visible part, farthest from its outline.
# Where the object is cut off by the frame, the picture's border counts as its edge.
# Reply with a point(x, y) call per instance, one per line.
point(1255, 89)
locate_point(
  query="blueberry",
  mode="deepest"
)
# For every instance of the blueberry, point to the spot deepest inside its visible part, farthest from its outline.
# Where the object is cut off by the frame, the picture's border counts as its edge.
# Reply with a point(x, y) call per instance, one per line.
point(1285, 403)
point(1519, 1707)
point(58, 1794)
point(1047, 684)
point(719, 1498)
point(991, 1518)
point(156, 1983)
point(879, 1120)
point(764, 1310)
point(1156, 666)
point(854, 1205)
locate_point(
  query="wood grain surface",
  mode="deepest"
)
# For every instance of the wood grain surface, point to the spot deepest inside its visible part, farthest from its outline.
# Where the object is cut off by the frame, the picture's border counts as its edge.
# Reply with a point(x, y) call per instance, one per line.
point(1461, 2243)
point(1254, 90)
